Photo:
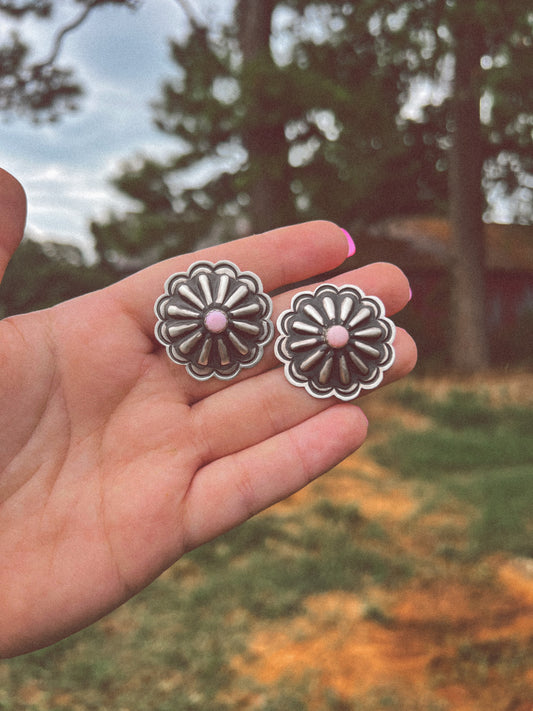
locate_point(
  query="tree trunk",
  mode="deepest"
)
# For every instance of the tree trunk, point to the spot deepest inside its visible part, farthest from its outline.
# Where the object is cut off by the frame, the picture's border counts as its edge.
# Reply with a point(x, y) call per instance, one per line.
point(469, 345)
point(263, 135)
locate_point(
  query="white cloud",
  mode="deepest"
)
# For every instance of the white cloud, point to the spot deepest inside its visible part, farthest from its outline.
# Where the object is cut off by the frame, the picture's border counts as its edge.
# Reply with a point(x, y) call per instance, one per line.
point(121, 58)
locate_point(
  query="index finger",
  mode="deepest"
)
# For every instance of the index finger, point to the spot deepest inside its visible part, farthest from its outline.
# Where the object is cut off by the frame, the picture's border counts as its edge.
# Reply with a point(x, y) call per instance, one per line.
point(279, 257)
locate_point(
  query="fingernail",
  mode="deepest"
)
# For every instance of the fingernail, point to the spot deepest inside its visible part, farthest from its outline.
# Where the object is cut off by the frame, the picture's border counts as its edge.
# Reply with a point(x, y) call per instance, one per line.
point(351, 243)
point(410, 293)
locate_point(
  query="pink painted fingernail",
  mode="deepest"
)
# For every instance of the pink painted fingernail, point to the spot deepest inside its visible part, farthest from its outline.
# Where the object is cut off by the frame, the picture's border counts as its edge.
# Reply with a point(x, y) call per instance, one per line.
point(351, 243)
point(410, 293)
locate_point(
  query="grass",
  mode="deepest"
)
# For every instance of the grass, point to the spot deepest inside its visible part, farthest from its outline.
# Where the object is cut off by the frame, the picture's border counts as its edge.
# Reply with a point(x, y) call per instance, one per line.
point(171, 647)
point(269, 570)
point(478, 452)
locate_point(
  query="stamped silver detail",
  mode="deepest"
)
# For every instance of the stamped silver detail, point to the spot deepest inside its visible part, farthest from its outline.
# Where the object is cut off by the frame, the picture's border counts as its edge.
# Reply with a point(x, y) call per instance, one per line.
point(214, 319)
point(351, 346)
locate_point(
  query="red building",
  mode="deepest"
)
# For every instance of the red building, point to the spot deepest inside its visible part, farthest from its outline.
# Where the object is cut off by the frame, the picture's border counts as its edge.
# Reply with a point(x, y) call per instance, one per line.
point(421, 246)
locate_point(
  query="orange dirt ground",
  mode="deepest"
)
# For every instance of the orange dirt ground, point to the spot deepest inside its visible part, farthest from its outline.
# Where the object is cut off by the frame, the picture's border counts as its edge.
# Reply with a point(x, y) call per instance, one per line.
point(456, 636)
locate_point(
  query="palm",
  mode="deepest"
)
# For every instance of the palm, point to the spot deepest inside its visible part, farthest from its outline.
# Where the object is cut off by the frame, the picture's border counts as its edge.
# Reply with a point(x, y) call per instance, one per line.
point(114, 462)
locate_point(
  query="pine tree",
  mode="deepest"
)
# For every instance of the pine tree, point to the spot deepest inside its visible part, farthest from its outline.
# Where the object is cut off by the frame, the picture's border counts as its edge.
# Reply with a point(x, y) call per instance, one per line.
point(319, 133)
point(41, 89)
point(489, 44)
point(263, 142)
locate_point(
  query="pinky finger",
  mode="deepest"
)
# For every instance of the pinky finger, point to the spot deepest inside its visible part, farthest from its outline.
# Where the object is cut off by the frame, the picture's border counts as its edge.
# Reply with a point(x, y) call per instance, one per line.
point(230, 490)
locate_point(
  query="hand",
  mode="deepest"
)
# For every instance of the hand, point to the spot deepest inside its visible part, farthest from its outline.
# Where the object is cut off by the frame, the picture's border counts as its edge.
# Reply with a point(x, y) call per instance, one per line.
point(114, 462)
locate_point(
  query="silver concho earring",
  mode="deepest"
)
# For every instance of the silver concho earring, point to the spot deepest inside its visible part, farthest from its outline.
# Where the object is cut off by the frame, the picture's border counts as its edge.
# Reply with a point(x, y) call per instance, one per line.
point(335, 341)
point(214, 319)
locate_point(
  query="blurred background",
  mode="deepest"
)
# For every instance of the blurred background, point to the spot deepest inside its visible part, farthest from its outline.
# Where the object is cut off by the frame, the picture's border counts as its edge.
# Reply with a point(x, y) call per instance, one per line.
point(146, 128)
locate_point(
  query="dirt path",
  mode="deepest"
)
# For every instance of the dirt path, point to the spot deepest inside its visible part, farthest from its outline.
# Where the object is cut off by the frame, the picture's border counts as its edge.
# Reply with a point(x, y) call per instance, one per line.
point(456, 636)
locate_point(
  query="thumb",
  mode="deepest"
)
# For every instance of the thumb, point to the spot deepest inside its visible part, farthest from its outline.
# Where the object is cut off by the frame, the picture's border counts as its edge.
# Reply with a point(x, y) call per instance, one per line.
point(12, 217)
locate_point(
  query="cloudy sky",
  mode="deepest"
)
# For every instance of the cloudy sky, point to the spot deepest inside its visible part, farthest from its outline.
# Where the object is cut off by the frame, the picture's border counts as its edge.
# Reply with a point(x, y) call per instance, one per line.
point(121, 58)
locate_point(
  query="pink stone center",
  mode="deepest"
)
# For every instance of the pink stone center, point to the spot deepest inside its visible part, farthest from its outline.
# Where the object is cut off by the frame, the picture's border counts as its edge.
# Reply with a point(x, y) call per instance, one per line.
point(216, 321)
point(337, 336)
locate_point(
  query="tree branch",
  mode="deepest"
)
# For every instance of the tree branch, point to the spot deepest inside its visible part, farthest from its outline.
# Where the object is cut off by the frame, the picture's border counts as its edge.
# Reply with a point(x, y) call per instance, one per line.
point(188, 11)
point(64, 31)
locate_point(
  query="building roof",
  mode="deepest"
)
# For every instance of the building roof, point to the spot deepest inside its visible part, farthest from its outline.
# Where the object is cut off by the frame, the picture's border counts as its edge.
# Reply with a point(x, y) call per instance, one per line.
point(425, 242)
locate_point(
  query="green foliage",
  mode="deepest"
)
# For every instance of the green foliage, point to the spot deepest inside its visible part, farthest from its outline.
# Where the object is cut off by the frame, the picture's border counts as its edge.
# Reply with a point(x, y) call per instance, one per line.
point(462, 408)
point(266, 140)
point(40, 90)
point(477, 452)
point(505, 498)
point(202, 120)
point(319, 134)
point(318, 559)
point(41, 275)
point(420, 36)
point(275, 143)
